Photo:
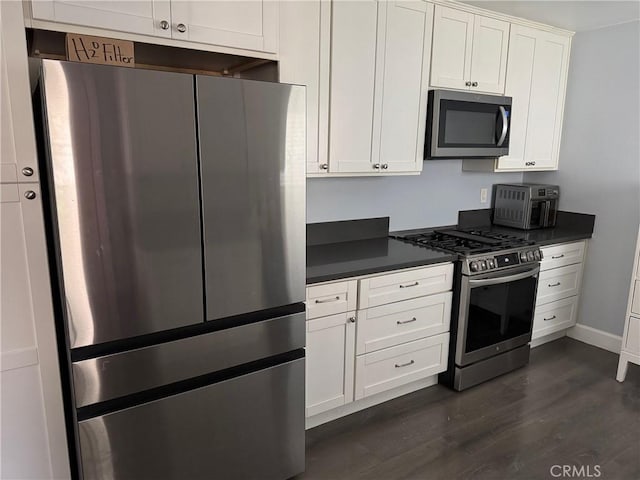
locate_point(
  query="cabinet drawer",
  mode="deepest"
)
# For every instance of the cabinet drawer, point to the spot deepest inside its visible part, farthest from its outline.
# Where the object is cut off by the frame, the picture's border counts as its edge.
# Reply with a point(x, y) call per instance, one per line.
point(396, 366)
point(635, 303)
point(558, 283)
point(555, 316)
point(561, 255)
point(331, 298)
point(394, 287)
point(389, 325)
point(632, 343)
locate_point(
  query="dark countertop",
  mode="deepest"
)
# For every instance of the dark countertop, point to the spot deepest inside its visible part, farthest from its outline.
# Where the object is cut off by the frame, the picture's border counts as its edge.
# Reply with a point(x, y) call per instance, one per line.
point(333, 261)
point(570, 227)
point(351, 248)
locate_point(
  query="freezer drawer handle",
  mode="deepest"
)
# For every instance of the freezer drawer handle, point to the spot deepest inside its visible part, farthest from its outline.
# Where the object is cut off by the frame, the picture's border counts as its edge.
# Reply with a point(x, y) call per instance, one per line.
point(553, 317)
point(403, 322)
point(555, 257)
point(554, 284)
point(328, 300)
point(405, 364)
point(414, 284)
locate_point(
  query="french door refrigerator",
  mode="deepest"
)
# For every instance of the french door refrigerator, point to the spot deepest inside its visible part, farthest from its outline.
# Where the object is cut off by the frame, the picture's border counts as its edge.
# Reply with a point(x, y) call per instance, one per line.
point(177, 220)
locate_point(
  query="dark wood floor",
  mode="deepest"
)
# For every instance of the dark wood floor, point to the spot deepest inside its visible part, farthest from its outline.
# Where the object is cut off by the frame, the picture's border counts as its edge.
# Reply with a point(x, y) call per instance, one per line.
point(564, 408)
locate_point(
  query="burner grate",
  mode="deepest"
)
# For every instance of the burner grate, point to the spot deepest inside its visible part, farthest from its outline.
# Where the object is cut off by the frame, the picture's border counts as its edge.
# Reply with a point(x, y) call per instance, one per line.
point(466, 242)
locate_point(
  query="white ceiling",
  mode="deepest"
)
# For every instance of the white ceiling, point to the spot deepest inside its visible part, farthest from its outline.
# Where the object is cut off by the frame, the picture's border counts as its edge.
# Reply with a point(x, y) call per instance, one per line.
point(572, 15)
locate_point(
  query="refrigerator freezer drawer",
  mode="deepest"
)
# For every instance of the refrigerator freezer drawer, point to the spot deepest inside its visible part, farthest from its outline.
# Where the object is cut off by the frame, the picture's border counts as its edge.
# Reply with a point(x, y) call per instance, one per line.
point(111, 376)
point(246, 427)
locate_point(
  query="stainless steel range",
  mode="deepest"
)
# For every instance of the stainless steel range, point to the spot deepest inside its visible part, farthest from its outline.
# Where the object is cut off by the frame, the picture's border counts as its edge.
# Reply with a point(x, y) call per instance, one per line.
point(494, 296)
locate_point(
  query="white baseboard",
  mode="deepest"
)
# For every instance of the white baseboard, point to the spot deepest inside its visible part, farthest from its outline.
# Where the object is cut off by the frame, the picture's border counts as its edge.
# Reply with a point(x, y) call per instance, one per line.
point(367, 402)
point(595, 337)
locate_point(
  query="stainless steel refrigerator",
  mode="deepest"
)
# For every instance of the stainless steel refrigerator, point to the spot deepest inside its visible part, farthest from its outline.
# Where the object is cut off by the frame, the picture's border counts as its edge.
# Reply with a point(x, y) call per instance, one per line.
point(177, 225)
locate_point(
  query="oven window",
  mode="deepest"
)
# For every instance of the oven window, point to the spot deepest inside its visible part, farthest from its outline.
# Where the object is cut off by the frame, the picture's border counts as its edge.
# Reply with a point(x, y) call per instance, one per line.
point(500, 312)
point(469, 124)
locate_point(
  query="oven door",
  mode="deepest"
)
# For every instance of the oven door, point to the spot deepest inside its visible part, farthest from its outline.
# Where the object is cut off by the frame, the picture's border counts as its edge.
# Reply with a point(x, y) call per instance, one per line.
point(496, 313)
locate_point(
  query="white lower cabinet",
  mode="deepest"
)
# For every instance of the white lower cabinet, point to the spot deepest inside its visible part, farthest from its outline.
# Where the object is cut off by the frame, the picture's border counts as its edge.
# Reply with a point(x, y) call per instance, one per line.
point(396, 366)
point(330, 356)
point(558, 288)
point(630, 348)
point(388, 325)
point(399, 339)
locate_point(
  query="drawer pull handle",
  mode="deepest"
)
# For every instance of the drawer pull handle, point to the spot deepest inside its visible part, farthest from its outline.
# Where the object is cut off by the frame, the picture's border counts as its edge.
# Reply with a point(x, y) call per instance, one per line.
point(402, 322)
point(555, 257)
point(550, 318)
point(405, 364)
point(553, 284)
point(328, 300)
point(414, 284)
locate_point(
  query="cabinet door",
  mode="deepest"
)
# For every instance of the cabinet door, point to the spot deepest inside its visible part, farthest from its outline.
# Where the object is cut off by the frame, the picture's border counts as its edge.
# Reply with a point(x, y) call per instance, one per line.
point(546, 102)
point(536, 80)
point(18, 157)
point(451, 53)
point(489, 57)
point(353, 64)
point(138, 16)
point(18, 333)
point(331, 343)
point(299, 63)
point(401, 100)
point(248, 24)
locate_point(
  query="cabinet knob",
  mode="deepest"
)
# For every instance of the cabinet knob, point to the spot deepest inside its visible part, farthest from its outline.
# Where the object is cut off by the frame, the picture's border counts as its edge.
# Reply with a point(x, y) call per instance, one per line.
point(474, 84)
point(384, 166)
point(376, 166)
point(27, 171)
point(352, 319)
point(30, 194)
point(181, 27)
point(324, 166)
point(468, 84)
point(164, 25)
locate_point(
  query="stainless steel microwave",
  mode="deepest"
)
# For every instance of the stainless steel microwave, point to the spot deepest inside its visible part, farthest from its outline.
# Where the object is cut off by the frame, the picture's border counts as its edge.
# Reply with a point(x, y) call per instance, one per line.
point(467, 125)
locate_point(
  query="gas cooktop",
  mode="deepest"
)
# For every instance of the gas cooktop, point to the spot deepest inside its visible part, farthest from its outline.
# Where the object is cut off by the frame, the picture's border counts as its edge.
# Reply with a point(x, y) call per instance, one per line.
point(466, 242)
point(479, 250)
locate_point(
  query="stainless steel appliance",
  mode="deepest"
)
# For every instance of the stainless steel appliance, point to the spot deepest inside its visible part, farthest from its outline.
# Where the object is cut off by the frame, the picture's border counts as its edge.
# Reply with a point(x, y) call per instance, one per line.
point(495, 289)
point(525, 205)
point(178, 224)
point(467, 125)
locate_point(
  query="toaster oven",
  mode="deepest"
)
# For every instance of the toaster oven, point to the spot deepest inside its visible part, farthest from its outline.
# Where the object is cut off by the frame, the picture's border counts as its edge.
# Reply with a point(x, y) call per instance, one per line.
point(525, 205)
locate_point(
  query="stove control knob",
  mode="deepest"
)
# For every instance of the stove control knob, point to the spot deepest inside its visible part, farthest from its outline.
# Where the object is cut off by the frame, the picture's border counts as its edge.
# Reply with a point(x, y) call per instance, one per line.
point(473, 266)
point(530, 256)
point(536, 255)
point(491, 263)
point(523, 256)
point(483, 265)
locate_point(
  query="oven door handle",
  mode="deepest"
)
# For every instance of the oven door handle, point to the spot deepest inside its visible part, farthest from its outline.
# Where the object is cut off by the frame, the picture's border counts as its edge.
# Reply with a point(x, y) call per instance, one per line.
point(509, 278)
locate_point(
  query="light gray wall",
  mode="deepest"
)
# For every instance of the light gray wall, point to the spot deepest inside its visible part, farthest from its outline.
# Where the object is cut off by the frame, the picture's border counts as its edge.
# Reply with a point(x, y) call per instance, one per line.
point(430, 199)
point(600, 164)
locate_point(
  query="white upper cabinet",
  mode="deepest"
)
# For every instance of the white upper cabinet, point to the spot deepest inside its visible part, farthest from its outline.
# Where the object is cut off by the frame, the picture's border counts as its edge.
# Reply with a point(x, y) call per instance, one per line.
point(245, 24)
point(469, 51)
point(353, 64)
point(401, 100)
point(378, 86)
point(248, 24)
point(143, 17)
point(536, 80)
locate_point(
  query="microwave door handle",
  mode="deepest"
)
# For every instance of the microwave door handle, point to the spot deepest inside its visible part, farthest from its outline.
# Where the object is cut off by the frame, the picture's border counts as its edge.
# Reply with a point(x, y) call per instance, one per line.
point(505, 125)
